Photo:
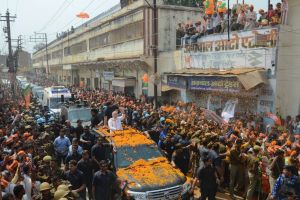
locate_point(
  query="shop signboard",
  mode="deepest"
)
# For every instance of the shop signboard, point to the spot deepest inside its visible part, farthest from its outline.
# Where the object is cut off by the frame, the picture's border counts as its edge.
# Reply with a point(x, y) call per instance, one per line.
point(214, 83)
point(108, 75)
point(176, 81)
point(256, 48)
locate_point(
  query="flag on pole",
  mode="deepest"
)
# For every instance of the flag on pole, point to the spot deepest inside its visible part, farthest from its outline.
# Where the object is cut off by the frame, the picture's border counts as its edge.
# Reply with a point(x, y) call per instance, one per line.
point(27, 95)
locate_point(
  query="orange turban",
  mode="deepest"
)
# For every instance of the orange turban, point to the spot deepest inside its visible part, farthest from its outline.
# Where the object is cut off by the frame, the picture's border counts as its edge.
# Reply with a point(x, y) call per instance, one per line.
point(288, 143)
point(273, 143)
point(21, 153)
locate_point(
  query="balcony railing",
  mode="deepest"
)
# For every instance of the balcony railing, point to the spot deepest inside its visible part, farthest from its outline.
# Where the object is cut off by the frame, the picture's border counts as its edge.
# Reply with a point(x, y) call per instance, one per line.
point(186, 3)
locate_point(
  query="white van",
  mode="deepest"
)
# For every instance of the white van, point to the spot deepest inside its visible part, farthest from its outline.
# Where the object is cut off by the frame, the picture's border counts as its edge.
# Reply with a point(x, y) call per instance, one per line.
point(52, 97)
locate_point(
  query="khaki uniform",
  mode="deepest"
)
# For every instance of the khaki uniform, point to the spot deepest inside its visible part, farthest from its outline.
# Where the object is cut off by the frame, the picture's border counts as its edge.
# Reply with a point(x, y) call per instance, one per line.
point(252, 165)
point(235, 169)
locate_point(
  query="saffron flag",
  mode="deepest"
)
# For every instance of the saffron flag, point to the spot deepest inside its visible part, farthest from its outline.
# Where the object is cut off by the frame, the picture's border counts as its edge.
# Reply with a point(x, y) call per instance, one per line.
point(27, 95)
point(83, 15)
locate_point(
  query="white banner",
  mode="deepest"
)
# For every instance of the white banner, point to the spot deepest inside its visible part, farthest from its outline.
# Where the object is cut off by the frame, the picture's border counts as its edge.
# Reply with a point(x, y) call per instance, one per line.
point(255, 48)
point(229, 109)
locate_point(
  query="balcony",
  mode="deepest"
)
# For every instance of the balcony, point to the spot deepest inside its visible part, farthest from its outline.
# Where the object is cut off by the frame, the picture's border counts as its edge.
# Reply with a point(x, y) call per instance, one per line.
point(241, 49)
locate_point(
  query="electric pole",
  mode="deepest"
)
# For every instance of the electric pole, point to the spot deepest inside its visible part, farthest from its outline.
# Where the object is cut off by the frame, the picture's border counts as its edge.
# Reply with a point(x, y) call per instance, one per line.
point(16, 54)
point(43, 38)
point(155, 49)
point(10, 58)
point(19, 47)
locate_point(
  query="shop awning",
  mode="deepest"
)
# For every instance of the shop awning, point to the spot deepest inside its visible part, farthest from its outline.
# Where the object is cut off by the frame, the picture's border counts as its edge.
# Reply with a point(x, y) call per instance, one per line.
point(248, 77)
point(252, 79)
point(165, 88)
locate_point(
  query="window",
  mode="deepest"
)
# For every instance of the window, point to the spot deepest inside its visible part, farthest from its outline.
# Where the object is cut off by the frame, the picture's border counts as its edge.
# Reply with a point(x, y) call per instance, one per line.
point(57, 54)
point(88, 82)
point(96, 83)
point(125, 33)
point(67, 51)
point(78, 48)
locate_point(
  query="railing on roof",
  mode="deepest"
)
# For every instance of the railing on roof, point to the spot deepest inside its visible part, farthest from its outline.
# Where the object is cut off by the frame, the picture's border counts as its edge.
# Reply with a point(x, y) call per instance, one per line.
point(186, 3)
point(206, 36)
point(101, 15)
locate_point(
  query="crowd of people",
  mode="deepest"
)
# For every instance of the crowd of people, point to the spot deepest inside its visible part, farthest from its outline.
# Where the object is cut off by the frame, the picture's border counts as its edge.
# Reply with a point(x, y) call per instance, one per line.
point(58, 161)
point(241, 17)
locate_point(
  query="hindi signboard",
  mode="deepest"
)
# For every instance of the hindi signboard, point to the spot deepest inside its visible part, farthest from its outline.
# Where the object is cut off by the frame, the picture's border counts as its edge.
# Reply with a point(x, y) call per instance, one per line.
point(256, 48)
point(213, 83)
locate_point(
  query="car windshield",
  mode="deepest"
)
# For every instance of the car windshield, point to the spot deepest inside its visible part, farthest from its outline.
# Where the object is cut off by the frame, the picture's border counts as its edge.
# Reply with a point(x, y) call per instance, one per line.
point(55, 103)
point(128, 155)
point(82, 114)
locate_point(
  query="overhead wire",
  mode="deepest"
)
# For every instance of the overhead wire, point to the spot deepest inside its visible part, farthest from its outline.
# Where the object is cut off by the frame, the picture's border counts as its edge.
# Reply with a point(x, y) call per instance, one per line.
point(17, 6)
point(94, 11)
point(68, 24)
point(58, 13)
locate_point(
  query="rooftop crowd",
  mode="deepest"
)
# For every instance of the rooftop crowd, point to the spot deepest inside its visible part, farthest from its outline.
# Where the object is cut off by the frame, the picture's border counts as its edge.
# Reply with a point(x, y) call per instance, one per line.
point(241, 17)
point(54, 160)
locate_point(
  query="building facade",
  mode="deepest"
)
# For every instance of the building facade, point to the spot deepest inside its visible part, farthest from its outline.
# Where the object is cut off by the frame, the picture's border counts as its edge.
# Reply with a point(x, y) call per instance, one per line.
point(241, 69)
point(114, 51)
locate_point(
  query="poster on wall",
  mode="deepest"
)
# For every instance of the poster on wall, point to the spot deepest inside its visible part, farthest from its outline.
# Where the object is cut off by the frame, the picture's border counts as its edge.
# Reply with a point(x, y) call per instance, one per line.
point(266, 99)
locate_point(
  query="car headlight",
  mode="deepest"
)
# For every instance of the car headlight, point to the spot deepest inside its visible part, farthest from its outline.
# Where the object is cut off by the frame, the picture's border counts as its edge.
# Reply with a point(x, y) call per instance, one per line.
point(186, 187)
point(137, 195)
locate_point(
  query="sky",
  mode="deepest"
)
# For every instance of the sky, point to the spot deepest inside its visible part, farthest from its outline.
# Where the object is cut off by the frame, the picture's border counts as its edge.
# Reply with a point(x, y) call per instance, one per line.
point(54, 16)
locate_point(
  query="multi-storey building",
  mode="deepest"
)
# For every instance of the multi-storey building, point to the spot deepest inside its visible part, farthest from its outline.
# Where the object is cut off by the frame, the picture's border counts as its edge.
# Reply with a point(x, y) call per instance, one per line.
point(115, 49)
point(240, 69)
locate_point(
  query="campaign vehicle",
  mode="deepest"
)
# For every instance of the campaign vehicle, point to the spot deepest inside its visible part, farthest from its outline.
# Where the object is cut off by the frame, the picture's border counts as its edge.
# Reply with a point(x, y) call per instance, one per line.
point(139, 164)
point(54, 96)
point(74, 112)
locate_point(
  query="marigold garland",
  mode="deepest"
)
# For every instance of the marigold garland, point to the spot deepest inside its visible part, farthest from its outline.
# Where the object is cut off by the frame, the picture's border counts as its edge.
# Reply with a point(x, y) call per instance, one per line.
point(156, 171)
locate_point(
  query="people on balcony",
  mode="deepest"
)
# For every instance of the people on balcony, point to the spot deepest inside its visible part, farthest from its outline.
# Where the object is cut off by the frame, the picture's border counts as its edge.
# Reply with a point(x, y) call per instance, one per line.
point(263, 18)
point(200, 30)
point(251, 18)
point(241, 17)
point(179, 34)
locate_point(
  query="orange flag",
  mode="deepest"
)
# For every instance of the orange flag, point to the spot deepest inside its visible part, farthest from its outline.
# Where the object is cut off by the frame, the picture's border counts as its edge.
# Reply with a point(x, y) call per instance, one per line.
point(83, 15)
